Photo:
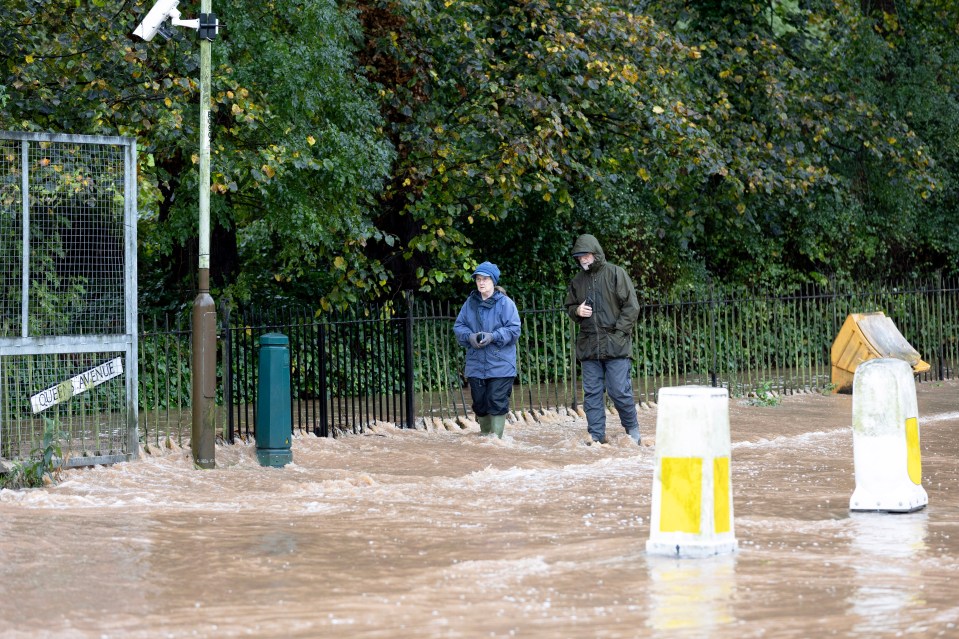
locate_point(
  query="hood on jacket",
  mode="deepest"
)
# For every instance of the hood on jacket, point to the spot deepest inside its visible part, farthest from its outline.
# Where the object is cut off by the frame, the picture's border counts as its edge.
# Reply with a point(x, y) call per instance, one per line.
point(588, 244)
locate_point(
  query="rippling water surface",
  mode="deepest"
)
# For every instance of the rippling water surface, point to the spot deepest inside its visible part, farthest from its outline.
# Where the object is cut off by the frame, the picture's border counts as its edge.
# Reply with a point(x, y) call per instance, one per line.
point(448, 534)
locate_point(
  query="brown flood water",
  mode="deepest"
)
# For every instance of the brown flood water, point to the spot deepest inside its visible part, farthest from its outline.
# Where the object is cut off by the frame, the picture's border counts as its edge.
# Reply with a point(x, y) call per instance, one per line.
point(448, 534)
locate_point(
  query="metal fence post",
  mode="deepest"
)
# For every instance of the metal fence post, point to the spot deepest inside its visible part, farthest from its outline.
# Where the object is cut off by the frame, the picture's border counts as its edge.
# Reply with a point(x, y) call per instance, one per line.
point(323, 429)
point(408, 360)
point(939, 326)
point(227, 370)
point(572, 358)
point(712, 335)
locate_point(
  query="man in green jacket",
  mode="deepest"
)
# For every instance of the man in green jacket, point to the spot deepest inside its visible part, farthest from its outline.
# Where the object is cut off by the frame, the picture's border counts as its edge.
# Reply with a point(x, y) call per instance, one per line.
point(602, 301)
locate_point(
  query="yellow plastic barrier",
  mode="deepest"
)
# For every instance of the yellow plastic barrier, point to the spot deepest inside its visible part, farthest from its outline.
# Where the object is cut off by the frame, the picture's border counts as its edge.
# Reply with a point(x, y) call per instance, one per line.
point(692, 500)
point(866, 336)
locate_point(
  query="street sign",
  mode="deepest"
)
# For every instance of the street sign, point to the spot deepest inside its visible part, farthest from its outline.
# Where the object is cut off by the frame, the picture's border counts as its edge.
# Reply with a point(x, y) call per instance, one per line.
point(76, 385)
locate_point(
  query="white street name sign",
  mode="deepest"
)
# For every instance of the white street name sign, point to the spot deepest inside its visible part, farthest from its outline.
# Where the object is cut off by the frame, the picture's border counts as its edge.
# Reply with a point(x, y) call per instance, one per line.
point(76, 385)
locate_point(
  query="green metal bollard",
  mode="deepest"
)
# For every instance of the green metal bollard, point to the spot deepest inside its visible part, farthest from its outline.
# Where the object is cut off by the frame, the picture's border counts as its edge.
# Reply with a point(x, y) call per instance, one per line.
point(273, 426)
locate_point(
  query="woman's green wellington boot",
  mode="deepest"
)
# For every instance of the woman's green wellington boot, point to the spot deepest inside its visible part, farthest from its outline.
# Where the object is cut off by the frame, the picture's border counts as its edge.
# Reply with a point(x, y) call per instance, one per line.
point(498, 424)
point(484, 423)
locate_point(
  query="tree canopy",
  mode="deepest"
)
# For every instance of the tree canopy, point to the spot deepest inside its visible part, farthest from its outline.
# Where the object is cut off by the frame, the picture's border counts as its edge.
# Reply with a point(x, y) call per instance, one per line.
point(363, 148)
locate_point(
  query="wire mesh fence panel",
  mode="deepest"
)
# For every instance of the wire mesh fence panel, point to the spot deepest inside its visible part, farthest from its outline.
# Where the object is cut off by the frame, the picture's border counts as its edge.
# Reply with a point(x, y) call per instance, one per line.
point(68, 297)
point(87, 410)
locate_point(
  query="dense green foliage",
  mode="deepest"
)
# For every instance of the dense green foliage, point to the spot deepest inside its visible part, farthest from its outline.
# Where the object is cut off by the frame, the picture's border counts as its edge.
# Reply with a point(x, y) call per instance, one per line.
point(362, 148)
point(295, 150)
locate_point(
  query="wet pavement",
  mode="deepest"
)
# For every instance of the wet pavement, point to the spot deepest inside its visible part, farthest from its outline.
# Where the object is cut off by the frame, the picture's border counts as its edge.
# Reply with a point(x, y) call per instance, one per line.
point(449, 534)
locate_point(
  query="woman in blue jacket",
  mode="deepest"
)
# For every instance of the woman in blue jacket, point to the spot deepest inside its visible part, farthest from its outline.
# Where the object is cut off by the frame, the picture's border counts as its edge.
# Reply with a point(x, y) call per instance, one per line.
point(488, 326)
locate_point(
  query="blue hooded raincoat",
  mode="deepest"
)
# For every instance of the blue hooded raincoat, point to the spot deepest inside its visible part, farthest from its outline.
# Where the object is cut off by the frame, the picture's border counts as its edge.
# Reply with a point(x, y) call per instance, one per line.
point(498, 316)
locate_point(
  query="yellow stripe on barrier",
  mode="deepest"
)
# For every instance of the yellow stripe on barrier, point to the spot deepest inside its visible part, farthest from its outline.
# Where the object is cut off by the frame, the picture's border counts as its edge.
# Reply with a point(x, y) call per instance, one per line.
point(681, 502)
point(913, 456)
point(721, 494)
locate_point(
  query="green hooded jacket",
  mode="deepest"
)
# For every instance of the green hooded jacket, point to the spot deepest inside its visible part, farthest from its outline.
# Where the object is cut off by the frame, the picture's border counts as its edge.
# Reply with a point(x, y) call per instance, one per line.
point(608, 334)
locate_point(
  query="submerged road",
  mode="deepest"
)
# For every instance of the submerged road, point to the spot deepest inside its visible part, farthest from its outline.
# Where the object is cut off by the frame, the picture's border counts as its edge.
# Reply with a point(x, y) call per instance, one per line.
point(448, 534)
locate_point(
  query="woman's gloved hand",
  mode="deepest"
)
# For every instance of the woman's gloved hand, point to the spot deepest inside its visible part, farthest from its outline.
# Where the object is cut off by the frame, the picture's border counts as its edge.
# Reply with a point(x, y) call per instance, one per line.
point(480, 340)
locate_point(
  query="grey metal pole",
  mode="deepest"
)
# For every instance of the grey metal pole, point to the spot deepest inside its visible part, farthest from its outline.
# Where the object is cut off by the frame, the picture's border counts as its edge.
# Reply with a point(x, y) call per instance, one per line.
point(204, 310)
point(25, 213)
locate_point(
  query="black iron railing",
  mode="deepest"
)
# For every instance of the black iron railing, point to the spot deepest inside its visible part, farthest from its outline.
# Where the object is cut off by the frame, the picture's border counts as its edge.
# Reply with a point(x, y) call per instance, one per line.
point(401, 363)
point(346, 371)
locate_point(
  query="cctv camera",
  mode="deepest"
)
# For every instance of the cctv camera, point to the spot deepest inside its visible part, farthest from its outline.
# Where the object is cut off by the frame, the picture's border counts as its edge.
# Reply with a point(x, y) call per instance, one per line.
point(154, 20)
point(165, 30)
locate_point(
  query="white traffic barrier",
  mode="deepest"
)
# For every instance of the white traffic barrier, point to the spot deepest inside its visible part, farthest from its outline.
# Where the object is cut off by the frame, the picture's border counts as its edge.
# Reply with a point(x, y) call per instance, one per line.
point(885, 438)
point(692, 514)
